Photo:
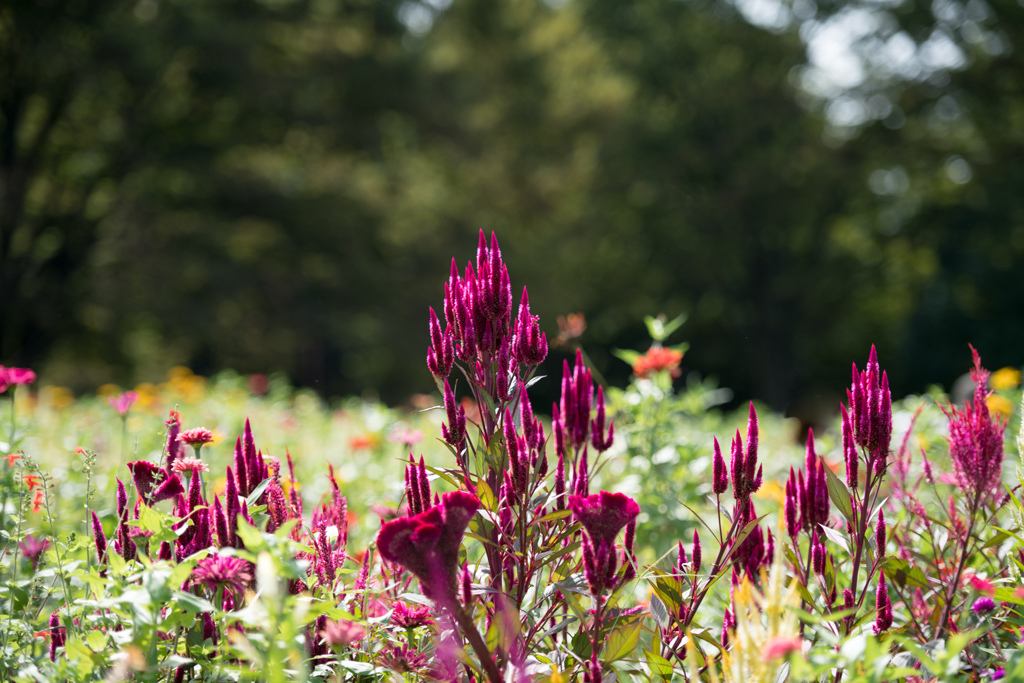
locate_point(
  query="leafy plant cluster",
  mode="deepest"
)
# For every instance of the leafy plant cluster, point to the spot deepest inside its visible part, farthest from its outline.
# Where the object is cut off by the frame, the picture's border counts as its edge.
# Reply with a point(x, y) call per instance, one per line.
point(649, 537)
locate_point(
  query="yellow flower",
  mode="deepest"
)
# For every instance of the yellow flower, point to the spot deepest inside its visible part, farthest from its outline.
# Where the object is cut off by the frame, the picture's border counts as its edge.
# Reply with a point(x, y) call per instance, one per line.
point(56, 397)
point(1000, 404)
point(1006, 378)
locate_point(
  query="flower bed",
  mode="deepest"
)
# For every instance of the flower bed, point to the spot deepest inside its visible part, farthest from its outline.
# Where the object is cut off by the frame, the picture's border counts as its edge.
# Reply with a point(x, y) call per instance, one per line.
point(627, 539)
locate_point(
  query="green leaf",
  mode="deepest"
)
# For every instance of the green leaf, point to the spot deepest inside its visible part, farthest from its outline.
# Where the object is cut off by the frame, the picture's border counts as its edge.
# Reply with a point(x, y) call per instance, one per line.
point(626, 355)
point(194, 603)
point(836, 537)
point(839, 494)
point(257, 492)
point(659, 611)
point(552, 516)
point(623, 641)
point(96, 641)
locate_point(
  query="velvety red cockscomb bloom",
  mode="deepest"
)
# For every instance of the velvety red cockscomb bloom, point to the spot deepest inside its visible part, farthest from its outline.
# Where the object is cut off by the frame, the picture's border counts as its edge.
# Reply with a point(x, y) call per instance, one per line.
point(428, 544)
point(604, 514)
point(190, 465)
point(657, 359)
point(220, 571)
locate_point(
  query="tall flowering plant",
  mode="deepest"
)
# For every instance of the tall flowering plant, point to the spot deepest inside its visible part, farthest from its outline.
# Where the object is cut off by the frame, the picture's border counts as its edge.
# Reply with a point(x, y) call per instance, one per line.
point(522, 580)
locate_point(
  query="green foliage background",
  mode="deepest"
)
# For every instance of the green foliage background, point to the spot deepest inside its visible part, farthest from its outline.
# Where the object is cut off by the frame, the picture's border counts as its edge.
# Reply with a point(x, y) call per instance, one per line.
point(280, 186)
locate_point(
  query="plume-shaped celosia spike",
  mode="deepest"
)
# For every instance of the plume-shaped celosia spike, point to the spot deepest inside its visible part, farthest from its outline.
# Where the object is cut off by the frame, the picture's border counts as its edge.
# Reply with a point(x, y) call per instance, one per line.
point(220, 523)
point(241, 476)
point(412, 489)
point(174, 446)
point(817, 553)
point(232, 507)
point(791, 506)
point(424, 482)
point(880, 535)
point(883, 620)
point(681, 559)
point(195, 493)
point(752, 441)
point(696, 554)
point(560, 500)
point(364, 572)
point(99, 538)
point(598, 439)
point(849, 449)
point(630, 537)
point(720, 475)
point(581, 487)
point(738, 467)
point(57, 636)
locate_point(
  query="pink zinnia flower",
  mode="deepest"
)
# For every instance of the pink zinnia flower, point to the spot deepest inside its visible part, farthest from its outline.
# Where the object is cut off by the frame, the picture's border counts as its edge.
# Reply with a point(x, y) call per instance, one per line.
point(10, 377)
point(196, 438)
point(342, 633)
point(404, 435)
point(190, 465)
point(220, 571)
point(408, 616)
point(428, 544)
point(780, 646)
point(123, 402)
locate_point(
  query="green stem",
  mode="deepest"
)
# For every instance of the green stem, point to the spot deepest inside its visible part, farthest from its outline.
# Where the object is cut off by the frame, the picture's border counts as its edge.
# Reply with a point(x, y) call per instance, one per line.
point(14, 576)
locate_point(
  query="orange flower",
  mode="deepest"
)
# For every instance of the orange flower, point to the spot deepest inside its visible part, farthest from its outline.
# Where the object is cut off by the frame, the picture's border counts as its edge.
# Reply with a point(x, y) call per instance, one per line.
point(362, 441)
point(657, 359)
point(38, 501)
point(79, 451)
point(11, 457)
point(32, 481)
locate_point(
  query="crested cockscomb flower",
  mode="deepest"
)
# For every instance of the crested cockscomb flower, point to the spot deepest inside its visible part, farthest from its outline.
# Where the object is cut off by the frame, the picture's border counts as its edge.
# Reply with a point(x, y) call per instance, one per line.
point(123, 402)
point(976, 439)
point(32, 548)
point(428, 544)
point(216, 572)
point(603, 515)
point(190, 465)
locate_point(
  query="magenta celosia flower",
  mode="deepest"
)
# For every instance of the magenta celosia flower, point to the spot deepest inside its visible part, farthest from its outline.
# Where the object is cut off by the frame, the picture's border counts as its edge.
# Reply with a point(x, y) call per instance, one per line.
point(190, 465)
point(983, 605)
point(58, 636)
point(604, 514)
point(32, 548)
point(883, 620)
point(976, 439)
point(232, 574)
point(870, 416)
point(123, 402)
point(428, 544)
point(342, 633)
